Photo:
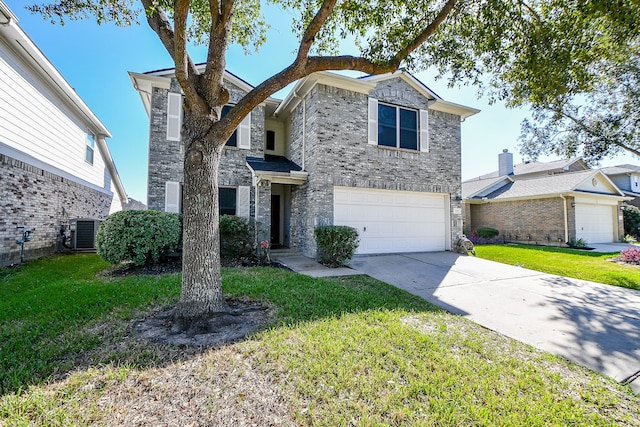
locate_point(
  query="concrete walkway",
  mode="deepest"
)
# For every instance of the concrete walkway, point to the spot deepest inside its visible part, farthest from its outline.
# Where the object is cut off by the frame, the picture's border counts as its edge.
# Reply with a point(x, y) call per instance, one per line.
point(303, 265)
point(591, 324)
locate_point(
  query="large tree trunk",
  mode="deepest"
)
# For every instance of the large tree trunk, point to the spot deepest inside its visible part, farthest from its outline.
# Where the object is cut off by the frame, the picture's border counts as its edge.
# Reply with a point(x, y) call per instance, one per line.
point(201, 280)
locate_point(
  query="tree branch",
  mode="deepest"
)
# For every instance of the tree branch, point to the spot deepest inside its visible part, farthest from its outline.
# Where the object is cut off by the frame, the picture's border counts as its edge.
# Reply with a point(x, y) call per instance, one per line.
point(314, 27)
point(221, 21)
point(425, 34)
point(175, 44)
point(588, 130)
point(304, 65)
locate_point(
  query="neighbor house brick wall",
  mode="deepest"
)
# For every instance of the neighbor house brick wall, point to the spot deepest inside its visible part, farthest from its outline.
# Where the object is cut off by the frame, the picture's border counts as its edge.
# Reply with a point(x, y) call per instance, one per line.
point(337, 154)
point(41, 201)
point(543, 223)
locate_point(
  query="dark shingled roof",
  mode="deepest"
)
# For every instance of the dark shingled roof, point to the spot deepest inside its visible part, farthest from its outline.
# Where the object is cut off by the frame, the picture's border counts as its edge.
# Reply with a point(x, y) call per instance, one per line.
point(272, 164)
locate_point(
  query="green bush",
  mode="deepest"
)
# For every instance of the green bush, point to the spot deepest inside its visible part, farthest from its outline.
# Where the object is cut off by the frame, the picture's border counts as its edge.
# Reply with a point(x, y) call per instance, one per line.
point(487, 232)
point(236, 237)
point(631, 215)
point(336, 244)
point(142, 237)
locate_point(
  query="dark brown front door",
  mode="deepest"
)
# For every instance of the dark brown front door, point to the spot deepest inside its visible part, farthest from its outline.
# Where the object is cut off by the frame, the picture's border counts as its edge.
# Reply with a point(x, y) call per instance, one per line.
point(275, 220)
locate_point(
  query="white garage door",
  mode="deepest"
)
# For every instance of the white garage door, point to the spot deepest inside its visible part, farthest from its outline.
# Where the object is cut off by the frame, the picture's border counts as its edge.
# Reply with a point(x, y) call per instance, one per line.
point(594, 223)
point(393, 221)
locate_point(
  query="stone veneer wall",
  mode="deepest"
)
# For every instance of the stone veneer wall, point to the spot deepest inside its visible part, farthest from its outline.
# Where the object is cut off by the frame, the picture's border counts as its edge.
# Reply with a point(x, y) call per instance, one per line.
point(41, 201)
point(537, 221)
point(337, 154)
point(166, 158)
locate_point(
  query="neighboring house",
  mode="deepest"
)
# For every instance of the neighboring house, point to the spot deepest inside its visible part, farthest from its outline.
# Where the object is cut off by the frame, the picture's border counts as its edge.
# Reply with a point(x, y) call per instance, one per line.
point(55, 165)
point(379, 153)
point(627, 178)
point(545, 203)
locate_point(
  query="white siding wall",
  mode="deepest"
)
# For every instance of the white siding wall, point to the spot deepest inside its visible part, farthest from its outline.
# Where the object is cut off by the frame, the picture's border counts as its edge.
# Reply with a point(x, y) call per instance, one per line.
point(35, 122)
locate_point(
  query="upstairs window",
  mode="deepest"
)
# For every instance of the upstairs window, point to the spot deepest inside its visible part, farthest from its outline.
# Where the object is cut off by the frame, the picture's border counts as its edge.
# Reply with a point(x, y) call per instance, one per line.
point(233, 139)
point(241, 137)
point(90, 146)
point(397, 127)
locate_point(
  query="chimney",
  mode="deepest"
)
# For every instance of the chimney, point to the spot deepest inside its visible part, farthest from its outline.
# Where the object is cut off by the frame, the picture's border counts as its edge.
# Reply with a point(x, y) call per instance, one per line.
point(505, 163)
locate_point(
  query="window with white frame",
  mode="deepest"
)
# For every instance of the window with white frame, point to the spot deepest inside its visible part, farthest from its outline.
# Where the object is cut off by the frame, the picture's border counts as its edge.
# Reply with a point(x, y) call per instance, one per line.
point(90, 147)
point(398, 127)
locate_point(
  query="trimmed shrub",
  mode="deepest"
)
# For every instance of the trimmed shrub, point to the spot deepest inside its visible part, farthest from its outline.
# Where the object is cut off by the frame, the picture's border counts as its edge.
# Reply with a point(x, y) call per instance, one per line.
point(630, 255)
point(578, 243)
point(142, 237)
point(631, 218)
point(236, 237)
point(487, 232)
point(336, 244)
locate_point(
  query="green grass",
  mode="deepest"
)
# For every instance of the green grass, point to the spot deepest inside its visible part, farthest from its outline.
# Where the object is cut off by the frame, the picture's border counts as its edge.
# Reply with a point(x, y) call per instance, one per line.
point(342, 351)
point(578, 264)
point(48, 307)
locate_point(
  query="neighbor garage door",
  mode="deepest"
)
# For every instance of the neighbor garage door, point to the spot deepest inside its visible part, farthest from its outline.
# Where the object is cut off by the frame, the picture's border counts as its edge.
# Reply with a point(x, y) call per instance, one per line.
point(393, 221)
point(594, 223)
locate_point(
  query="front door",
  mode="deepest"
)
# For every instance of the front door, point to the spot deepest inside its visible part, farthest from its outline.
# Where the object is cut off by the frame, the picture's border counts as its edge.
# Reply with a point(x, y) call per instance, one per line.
point(275, 220)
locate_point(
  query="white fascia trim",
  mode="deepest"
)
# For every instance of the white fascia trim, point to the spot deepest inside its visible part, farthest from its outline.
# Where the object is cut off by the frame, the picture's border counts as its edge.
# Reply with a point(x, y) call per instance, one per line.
point(453, 108)
point(30, 160)
point(549, 196)
point(8, 14)
point(31, 54)
point(304, 86)
point(610, 198)
point(407, 77)
point(144, 84)
point(113, 172)
point(502, 181)
point(171, 72)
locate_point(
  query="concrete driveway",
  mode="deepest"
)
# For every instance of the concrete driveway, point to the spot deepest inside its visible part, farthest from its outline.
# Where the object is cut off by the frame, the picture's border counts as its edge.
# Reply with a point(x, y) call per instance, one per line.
point(591, 324)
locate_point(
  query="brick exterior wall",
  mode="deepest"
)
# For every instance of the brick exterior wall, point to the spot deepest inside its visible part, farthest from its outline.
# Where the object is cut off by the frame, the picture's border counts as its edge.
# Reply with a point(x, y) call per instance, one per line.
point(537, 221)
point(166, 158)
point(41, 201)
point(337, 154)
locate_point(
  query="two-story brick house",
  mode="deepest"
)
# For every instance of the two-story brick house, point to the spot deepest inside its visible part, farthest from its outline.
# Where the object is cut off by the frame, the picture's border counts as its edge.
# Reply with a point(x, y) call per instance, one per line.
point(379, 153)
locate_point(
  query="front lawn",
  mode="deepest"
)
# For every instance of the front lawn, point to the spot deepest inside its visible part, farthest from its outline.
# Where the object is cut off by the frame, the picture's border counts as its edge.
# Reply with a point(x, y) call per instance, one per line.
point(341, 351)
point(579, 264)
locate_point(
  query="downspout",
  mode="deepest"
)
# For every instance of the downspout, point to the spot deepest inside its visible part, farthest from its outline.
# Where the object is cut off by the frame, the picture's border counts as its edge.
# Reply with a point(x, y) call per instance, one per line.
point(304, 131)
point(256, 180)
point(566, 219)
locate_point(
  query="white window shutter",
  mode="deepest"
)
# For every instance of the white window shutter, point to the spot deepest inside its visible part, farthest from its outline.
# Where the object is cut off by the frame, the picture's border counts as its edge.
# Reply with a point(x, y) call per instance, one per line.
point(174, 116)
point(373, 121)
point(424, 131)
point(244, 133)
point(243, 196)
point(172, 197)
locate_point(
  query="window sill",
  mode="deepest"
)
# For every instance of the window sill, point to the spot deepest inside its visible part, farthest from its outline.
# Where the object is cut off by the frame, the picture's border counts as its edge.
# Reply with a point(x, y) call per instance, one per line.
point(402, 150)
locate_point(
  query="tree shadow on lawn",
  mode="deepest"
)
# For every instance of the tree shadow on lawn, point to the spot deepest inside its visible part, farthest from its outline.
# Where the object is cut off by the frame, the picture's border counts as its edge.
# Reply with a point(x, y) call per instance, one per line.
point(262, 298)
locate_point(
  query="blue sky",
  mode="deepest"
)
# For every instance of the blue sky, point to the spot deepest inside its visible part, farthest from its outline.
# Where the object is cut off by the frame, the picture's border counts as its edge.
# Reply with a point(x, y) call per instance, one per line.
point(95, 61)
